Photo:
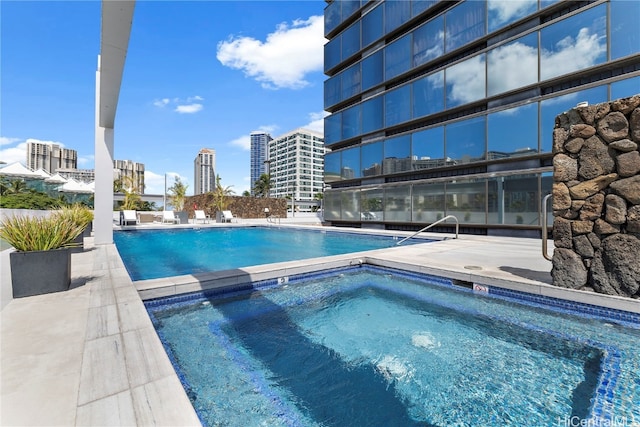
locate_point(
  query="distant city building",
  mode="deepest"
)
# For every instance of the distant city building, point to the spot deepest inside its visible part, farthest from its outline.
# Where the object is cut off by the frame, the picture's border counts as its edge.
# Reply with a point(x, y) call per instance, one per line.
point(296, 164)
point(259, 146)
point(204, 167)
point(82, 175)
point(50, 157)
point(129, 169)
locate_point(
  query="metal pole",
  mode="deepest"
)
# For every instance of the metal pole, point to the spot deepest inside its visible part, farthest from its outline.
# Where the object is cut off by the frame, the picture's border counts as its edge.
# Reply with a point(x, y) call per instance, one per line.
point(164, 195)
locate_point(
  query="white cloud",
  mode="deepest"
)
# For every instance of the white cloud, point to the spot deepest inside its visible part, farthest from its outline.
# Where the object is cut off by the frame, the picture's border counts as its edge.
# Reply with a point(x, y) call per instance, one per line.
point(317, 122)
point(243, 142)
point(189, 108)
point(86, 161)
point(467, 80)
point(572, 54)
point(283, 59)
point(512, 66)
point(7, 141)
point(501, 11)
point(15, 154)
point(161, 102)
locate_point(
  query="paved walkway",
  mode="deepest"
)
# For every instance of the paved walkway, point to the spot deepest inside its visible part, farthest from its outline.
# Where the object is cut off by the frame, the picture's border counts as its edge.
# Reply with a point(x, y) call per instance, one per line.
point(90, 356)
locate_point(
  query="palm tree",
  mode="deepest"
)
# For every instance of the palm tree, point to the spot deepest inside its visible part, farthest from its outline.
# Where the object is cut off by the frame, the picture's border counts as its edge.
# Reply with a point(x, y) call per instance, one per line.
point(15, 186)
point(177, 193)
point(262, 186)
point(220, 194)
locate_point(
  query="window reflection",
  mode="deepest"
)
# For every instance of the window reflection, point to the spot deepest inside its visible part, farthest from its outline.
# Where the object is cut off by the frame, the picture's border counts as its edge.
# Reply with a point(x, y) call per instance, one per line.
point(351, 125)
point(397, 57)
point(513, 65)
point(332, 91)
point(331, 204)
point(419, 6)
point(332, 166)
point(465, 81)
point(397, 154)
point(350, 168)
point(513, 132)
point(396, 12)
point(372, 118)
point(573, 44)
point(372, 26)
point(465, 140)
point(513, 200)
point(371, 159)
point(350, 204)
point(464, 23)
point(332, 54)
point(427, 149)
point(625, 88)
point(397, 108)
point(466, 199)
point(428, 202)
point(428, 95)
point(550, 108)
point(371, 204)
point(625, 37)
point(350, 40)
point(332, 128)
point(428, 41)
point(503, 12)
point(351, 81)
point(332, 16)
point(372, 70)
point(397, 203)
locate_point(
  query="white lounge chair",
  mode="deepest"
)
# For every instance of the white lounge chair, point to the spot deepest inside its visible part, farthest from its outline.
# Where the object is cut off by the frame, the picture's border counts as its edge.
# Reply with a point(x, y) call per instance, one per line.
point(201, 216)
point(129, 216)
point(169, 218)
point(227, 216)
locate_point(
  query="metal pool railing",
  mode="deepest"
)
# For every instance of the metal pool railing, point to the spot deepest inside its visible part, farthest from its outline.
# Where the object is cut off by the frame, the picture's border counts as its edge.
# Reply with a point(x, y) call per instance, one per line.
point(431, 225)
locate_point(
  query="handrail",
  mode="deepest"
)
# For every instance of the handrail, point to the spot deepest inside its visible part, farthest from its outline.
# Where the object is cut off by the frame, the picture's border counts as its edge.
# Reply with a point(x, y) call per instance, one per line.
point(273, 219)
point(431, 225)
point(544, 227)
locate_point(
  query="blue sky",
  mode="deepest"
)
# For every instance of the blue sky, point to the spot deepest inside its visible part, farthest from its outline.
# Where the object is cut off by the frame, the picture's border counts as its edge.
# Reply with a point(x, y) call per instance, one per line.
point(200, 74)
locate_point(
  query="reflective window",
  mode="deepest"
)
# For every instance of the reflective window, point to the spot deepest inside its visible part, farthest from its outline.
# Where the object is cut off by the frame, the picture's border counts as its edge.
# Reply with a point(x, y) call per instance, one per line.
point(550, 108)
point(332, 16)
point(396, 13)
point(371, 162)
point(350, 81)
point(419, 6)
point(428, 41)
point(513, 132)
point(428, 95)
point(546, 182)
point(465, 81)
point(349, 7)
point(513, 200)
point(397, 203)
point(466, 199)
point(513, 65)
point(397, 155)
point(331, 202)
point(545, 3)
point(332, 91)
point(427, 149)
point(350, 40)
point(625, 88)
point(428, 202)
point(371, 204)
point(574, 44)
point(351, 122)
point(397, 105)
point(372, 70)
point(372, 114)
point(332, 128)
point(504, 12)
point(332, 54)
point(350, 204)
point(372, 28)
point(464, 23)
point(332, 166)
point(625, 37)
point(465, 140)
point(397, 57)
point(350, 163)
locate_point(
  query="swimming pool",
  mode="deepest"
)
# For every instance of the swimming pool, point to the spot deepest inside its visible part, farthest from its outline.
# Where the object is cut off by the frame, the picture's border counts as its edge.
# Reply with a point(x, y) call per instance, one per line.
point(370, 346)
point(150, 254)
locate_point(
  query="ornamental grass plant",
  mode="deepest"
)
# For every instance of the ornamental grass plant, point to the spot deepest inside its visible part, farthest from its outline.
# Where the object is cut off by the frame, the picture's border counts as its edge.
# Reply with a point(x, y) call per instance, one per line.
point(28, 234)
point(76, 213)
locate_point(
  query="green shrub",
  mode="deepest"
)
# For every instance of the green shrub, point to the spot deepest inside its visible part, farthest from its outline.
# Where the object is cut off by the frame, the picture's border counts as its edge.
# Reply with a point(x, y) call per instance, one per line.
point(76, 213)
point(27, 234)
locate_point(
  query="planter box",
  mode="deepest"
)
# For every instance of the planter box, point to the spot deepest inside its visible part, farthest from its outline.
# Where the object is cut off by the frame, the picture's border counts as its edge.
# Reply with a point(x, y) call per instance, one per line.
point(40, 272)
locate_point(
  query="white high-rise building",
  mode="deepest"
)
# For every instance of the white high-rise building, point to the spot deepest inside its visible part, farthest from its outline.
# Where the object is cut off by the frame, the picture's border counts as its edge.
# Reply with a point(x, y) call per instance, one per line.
point(50, 157)
point(205, 171)
point(296, 163)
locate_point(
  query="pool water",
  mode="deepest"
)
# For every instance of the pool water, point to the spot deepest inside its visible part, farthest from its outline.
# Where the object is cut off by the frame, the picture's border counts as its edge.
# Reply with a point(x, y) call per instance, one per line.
point(369, 347)
point(150, 254)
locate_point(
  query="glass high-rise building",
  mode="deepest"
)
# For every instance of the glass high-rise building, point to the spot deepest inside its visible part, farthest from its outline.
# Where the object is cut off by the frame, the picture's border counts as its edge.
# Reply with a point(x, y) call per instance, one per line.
point(259, 146)
point(447, 107)
point(204, 166)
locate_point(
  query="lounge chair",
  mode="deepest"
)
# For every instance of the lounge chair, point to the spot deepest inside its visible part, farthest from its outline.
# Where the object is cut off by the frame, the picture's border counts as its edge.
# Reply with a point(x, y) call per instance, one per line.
point(201, 216)
point(227, 216)
point(129, 216)
point(169, 218)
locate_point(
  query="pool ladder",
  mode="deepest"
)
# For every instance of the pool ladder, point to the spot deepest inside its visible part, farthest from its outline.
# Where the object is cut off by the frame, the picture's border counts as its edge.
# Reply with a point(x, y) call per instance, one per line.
point(545, 254)
point(431, 225)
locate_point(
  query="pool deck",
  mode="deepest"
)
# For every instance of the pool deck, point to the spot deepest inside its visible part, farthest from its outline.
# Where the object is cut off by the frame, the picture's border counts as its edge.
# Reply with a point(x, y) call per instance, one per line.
point(90, 356)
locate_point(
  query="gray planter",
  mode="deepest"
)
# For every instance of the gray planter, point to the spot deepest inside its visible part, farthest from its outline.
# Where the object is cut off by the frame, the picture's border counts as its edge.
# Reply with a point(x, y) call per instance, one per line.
point(184, 216)
point(40, 272)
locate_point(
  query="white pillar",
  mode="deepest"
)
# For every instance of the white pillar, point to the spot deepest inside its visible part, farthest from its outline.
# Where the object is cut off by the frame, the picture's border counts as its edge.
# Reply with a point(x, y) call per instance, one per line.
point(103, 200)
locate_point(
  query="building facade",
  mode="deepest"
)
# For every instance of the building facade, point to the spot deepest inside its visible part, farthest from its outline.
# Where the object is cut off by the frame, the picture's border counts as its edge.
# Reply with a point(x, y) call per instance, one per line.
point(204, 172)
point(50, 157)
point(129, 172)
point(82, 175)
point(444, 108)
point(296, 168)
point(259, 146)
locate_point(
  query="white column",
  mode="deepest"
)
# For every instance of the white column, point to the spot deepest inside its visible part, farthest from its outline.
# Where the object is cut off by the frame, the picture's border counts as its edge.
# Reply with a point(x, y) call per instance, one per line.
point(103, 202)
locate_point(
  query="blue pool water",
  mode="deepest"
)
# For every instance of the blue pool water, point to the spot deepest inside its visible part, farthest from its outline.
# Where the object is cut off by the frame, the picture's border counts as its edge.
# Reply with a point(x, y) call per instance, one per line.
point(376, 347)
point(149, 254)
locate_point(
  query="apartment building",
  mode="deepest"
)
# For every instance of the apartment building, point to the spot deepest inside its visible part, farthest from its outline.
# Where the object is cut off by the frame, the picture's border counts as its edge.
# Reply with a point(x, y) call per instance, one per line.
point(130, 172)
point(50, 157)
point(204, 172)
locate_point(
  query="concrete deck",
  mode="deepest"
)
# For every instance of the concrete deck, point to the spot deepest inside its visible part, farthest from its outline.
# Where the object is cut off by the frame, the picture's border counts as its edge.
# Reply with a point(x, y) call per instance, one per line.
point(90, 356)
